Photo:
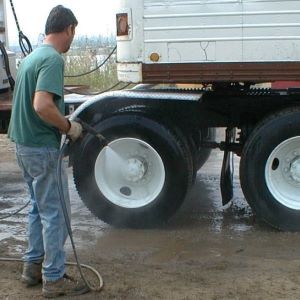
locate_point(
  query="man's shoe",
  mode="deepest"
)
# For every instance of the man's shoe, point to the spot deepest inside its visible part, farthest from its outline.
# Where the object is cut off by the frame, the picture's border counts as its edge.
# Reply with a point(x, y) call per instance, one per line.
point(32, 273)
point(65, 286)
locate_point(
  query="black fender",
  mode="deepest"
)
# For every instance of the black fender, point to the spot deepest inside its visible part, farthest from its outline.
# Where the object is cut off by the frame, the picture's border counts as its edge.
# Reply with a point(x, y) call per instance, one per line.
point(97, 108)
point(161, 105)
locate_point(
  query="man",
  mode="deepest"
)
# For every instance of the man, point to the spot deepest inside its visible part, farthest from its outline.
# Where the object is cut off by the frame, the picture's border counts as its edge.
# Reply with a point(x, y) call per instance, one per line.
point(36, 125)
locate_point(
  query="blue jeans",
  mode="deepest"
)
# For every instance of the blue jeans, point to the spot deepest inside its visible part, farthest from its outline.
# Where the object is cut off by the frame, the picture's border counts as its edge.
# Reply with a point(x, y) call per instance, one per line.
point(47, 232)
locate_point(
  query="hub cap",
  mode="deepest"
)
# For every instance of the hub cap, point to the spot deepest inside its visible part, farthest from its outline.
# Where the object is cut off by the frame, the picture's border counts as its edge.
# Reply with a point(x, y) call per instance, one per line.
point(129, 173)
point(283, 173)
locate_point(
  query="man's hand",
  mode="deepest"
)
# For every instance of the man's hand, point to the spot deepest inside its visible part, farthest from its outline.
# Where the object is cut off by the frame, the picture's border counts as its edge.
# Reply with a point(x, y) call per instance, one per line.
point(75, 131)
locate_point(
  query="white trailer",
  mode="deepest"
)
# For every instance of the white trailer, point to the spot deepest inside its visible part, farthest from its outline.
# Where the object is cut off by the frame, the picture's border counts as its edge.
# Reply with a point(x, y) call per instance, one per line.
point(164, 134)
point(208, 41)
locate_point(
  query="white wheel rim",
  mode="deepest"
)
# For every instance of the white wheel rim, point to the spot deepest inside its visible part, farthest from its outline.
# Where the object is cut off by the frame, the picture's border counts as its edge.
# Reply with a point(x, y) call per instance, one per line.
point(129, 173)
point(282, 173)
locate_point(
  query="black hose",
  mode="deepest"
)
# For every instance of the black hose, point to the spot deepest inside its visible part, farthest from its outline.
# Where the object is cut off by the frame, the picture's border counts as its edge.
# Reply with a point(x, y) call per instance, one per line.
point(95, 69)
point(15, 212)
point(6, 66)
point(66, 215)
point(24, 42)
point(63, 203)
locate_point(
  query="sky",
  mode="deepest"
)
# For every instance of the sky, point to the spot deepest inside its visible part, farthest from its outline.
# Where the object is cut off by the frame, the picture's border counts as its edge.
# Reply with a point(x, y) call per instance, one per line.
point(94, 17)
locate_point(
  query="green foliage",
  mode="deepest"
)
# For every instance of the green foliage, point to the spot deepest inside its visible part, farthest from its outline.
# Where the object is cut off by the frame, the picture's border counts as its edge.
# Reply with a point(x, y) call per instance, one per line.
point(85, 55)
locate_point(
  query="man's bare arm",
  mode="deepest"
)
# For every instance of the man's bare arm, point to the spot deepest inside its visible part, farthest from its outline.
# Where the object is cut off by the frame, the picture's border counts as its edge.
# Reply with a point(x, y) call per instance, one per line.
point(43, 104)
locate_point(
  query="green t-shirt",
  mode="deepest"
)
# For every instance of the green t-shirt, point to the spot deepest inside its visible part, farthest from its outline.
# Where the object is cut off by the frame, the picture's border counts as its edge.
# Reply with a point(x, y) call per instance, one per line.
point(42, 70)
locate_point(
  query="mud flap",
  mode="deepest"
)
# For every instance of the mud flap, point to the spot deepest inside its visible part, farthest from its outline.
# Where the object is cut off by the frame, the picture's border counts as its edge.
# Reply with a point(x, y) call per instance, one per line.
point(227, 168)
point(226, 178)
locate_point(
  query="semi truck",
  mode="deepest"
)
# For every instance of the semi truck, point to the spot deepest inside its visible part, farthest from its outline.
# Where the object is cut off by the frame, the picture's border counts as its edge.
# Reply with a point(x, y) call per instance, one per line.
point(199, 65)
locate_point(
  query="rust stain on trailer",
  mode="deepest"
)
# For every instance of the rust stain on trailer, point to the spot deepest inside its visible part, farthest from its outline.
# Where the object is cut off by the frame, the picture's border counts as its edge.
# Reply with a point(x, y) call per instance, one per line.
point(220, 72)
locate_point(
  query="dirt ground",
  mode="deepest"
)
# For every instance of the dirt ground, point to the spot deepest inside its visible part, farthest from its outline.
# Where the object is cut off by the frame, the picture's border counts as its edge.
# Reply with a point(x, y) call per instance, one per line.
point(206, 251)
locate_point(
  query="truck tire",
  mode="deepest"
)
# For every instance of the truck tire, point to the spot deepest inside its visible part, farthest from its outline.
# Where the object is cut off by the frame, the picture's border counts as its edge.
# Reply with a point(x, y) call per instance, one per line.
point(270, 170)
point(140, 180)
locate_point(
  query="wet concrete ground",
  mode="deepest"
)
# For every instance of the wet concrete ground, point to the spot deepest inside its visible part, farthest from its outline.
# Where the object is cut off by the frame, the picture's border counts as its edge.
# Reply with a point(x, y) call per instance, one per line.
point(206, 251)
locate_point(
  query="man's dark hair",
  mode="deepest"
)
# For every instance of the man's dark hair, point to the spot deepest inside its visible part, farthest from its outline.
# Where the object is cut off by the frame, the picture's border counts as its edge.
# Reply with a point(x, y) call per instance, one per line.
point(59, 19)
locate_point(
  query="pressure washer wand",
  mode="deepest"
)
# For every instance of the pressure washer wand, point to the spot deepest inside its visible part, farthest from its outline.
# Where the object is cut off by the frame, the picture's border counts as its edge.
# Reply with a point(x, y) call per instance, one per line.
point(92, 131)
